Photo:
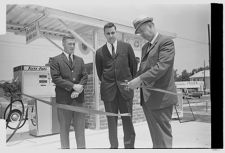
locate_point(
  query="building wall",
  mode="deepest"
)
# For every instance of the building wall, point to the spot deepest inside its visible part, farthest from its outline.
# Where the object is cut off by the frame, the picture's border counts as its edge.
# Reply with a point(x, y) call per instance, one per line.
point(91, 120)
point(207, 81)
point(138, 114)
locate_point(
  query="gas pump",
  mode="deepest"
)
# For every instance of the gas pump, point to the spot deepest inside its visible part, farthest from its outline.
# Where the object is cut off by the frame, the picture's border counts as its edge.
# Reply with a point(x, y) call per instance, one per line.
point(36, 81)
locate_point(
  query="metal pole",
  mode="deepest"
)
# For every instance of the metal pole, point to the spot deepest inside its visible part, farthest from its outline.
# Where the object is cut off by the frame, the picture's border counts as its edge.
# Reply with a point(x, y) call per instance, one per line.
point(76, 35)
point(96, 81)
point(53, 43)
point(209, 47)
point(204, 77)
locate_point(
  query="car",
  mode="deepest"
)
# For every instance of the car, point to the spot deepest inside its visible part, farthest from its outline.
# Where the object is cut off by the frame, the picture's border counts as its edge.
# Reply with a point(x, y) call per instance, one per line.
point(195, 94)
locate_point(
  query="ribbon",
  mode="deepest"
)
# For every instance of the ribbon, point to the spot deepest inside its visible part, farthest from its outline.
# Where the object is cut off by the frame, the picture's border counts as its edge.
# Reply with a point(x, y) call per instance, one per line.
point(160, 90)
point(150, 88)
point(78, 109)
point(169, 92)
point(156, 89)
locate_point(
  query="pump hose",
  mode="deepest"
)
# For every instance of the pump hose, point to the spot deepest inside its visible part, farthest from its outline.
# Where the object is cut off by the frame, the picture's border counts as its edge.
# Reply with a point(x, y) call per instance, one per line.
point(17, 127)
point(7, 115)
point(20, 124)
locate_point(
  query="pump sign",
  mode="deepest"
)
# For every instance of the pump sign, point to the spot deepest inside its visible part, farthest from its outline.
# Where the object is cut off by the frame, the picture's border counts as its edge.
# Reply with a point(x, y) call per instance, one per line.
point(32, 32)
point(31, 68)
point(35, 80)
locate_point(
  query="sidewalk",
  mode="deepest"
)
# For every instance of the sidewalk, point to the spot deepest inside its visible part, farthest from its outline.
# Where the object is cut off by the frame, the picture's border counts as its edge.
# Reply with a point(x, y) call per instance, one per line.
point(186, 135)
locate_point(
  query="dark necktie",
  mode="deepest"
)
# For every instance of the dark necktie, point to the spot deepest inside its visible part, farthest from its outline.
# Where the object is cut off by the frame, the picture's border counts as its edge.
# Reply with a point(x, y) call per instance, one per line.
point(70, 60)
point(113, 51)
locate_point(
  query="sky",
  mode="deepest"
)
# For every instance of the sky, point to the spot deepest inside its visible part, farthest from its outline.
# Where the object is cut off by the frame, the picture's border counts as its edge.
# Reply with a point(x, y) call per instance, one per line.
point(189, 20)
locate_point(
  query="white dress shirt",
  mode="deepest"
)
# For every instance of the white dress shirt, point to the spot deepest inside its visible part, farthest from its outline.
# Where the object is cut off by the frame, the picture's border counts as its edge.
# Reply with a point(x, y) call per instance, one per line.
point(109, 46)
point(67, 56)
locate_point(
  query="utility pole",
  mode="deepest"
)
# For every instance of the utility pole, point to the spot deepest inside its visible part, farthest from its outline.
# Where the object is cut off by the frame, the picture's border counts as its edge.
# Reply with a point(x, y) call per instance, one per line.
point(209, 47)
point(209, 39)
point(204, 78)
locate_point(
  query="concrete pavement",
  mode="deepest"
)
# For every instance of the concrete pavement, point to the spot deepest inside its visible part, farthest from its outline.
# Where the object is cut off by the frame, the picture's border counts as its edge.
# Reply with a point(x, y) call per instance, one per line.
point(186, 135)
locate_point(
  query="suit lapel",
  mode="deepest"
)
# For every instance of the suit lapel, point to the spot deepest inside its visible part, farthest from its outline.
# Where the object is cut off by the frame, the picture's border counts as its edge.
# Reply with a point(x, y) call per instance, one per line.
point(106, 51)
point(74, 61)
point(147, 49)
point(64, 58)
point(119, 49)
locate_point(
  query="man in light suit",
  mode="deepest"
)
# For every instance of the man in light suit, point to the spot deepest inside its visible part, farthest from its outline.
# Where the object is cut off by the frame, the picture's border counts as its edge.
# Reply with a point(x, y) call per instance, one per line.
point(69, 75)
point(156, 71)
point(115, 63)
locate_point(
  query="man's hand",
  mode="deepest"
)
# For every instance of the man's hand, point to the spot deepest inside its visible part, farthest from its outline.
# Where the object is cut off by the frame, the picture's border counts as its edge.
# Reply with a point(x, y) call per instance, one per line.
point(78, 88)
point(135, 83)
point(74, 94)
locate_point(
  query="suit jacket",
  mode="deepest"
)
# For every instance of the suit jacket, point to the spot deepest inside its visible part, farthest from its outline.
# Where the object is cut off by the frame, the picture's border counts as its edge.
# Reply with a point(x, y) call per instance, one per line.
point(156, 70)
point(113, 71)
point(65, 76)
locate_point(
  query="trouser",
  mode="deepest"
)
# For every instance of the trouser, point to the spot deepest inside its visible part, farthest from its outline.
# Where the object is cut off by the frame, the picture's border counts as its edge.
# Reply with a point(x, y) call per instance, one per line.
point(78, 119)
point(159, 125)
point(124, 106)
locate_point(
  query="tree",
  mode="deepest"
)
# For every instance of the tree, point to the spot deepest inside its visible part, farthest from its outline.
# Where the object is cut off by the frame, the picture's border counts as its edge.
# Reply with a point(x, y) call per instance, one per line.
point(194, 71)
point(185, 76)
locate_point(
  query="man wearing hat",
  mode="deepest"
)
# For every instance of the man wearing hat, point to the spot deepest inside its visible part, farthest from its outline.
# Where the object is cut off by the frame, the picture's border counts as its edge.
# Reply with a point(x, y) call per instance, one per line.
point(156, 71)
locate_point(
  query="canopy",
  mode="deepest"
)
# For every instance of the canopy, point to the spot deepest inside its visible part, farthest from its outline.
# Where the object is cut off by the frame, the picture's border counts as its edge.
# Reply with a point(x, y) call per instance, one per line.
point(19, 17)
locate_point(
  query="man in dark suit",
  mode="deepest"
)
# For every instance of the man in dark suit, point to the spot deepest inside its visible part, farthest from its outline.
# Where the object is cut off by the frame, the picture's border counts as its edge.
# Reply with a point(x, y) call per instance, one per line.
point(156, 71)
point(69, 75)
point(115, 63)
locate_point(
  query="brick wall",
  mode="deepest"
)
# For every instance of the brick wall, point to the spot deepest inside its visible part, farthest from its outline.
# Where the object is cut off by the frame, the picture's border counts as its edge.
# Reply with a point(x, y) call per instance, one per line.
point(90, 120)
point(138, 115)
